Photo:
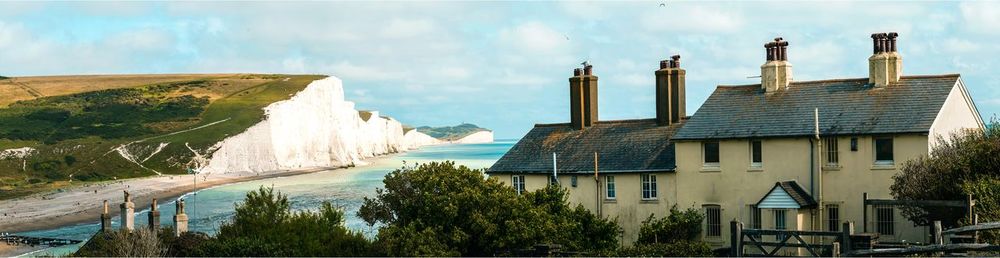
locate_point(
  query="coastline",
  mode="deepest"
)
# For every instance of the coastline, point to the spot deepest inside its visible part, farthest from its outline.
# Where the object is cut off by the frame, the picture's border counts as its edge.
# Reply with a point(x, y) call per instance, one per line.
point(81, 204)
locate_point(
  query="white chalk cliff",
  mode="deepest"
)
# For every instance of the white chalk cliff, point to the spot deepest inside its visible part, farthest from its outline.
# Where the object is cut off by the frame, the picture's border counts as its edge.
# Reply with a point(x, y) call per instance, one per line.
point(477, 137)
point(315, 128)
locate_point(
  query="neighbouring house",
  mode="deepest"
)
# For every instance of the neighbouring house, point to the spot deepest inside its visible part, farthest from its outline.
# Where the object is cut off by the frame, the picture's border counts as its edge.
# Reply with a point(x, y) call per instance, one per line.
point(782, 154)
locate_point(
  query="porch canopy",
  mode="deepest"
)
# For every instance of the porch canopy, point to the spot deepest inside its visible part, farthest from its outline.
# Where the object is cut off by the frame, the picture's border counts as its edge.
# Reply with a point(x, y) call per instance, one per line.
point(787, 195)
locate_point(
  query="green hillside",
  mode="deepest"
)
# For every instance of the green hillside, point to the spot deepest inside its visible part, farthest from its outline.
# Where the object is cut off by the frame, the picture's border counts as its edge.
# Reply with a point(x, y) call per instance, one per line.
point(451, 133)
point(76, 135)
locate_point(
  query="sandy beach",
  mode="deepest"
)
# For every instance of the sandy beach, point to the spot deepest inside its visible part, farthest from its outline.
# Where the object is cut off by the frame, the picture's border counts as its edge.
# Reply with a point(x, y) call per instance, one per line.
point(14, 250)
point(83, 204)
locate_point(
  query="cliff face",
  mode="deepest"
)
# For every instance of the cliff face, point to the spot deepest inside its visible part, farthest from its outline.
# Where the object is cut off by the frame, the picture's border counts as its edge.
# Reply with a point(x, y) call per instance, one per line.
point(315, 128)
point(477, 137)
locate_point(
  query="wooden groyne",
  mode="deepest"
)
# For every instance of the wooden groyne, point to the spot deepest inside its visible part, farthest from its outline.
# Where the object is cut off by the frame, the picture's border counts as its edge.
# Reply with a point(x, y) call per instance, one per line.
point(10, 239)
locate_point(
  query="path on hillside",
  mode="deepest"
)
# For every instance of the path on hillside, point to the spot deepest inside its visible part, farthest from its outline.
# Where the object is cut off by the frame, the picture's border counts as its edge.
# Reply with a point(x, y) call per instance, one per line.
point(123, 149)
point(34, 93)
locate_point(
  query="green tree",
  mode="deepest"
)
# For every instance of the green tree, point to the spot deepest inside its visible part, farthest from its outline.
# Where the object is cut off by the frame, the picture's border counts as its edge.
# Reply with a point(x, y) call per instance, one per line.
point(438, 209)
point(122, 243)
point(966, 163)
point(264, 225)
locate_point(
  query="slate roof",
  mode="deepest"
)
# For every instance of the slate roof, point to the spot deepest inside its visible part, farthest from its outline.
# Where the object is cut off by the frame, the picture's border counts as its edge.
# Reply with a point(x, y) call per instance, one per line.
point(796, 192)
point(623, 146)
point(846, 107)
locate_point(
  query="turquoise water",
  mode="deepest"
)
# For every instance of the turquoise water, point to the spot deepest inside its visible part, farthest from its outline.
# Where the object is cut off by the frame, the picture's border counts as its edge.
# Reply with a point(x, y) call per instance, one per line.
point(345, 188)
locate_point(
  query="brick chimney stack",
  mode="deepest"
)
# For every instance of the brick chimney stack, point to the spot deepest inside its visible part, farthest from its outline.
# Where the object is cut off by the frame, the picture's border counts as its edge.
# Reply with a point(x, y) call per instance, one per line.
point(776, 73)
point(154, 217)
point(885, 66)
point(180, 219)
point(128, 212)
point(670, 101)
point(583, 97)
point(105, 218)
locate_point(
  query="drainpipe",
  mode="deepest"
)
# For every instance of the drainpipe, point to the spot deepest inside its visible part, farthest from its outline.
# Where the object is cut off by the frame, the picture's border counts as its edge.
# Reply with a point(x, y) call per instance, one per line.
point(819, 169)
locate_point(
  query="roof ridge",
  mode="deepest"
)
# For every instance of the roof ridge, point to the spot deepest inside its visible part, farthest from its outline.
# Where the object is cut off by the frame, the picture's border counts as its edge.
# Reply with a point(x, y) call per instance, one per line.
point(618, 121)
point(920, 76)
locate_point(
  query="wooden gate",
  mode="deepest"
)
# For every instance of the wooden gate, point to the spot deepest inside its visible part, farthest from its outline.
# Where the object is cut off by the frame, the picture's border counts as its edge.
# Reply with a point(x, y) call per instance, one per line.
point(754, 239)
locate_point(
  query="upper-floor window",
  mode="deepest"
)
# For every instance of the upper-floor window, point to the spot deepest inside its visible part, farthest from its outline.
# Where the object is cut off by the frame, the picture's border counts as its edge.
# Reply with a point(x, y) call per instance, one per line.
point(572, 181)
point(832, 152)
point(883, 151)
point(756, 155)
point(518, 182)
point(713, 220)
point(648, 186)
point(710, 153)
point(609, 184)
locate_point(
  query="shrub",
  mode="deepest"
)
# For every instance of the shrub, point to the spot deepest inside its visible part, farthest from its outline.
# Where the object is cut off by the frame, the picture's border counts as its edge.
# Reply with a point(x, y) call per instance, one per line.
point(680, 248)
point(969, 159)
point(122, 243)
point(679, 225)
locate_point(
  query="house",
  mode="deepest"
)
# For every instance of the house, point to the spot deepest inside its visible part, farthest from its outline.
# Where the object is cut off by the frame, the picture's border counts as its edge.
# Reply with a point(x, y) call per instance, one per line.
point(781, 154)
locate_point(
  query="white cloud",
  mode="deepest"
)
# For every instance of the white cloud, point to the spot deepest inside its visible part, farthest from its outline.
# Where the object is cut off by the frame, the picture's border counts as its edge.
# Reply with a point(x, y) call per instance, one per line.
point(535, 37)
point(400, 28)
point(697, 19)
point(348, 70)
point(981, 16)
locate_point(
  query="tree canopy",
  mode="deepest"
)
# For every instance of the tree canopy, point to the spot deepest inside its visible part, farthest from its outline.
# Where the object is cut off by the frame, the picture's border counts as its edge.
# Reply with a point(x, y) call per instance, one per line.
point(965, 163)
point(439, 209)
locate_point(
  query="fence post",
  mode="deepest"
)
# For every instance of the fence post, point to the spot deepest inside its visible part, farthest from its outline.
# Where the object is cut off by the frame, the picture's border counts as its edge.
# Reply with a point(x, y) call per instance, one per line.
point(845, 238)
point(735, 238)
point(938, 239)
point(864, 215)
point(835, 249)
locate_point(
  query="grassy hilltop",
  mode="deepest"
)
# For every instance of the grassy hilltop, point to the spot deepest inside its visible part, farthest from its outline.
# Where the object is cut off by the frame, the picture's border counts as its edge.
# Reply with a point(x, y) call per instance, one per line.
point(451, 133)
point(76, 123)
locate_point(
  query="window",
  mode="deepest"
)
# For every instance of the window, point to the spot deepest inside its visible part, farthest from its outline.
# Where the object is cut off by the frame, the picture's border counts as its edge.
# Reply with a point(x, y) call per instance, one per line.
point(518, 182)
point(572, 181)
point(713, 220)
point(854, 143)
point(711, 153)
point(885, 221)
point(883, 151)
point(648, 186)
point(832, 217)
point(779, 220)
point(756, 158)
point(610, 186)
point(832, 155)
point(753, 215)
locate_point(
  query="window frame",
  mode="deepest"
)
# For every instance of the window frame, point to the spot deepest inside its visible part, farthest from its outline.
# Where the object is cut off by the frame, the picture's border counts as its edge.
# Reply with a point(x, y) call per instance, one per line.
point(875, 151)
point(832, 151)
point(704, 154)
point(754, 216)
point(713, 229)
point(781, 224)
point(610, 192)
point(833, 217)
point(756, 152)
point(518, 182)
point(885, 224)
point(572, 180)
point(648, 186)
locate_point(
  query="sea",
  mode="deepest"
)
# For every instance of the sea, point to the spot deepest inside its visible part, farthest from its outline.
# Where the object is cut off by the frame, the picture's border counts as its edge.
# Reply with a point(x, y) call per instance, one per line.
point(345, 188)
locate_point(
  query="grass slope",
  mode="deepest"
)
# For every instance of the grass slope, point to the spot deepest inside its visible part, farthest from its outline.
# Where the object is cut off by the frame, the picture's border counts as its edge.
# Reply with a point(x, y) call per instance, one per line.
point(75, 134)
point(451, 133)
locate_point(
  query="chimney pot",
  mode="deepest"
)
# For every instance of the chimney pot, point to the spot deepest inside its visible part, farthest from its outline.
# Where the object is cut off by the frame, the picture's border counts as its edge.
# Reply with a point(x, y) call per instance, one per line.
point(577, 72)
point(875, 43)
point(664, 64)
point(676, 61)
point(892, 41)
point(783, 50)
point(588, 70)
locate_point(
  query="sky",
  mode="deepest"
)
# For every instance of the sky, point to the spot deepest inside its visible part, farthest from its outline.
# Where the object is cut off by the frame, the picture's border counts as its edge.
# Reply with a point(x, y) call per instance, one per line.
point(500, 65)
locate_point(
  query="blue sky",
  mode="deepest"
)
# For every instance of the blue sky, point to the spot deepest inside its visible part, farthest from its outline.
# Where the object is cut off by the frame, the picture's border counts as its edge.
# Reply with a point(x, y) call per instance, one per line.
point(502, 65)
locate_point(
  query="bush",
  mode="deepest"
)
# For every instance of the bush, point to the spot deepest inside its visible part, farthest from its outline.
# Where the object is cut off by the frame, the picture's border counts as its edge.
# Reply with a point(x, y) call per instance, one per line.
point(678, 226)
point(966, 164)
point(122, 243)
